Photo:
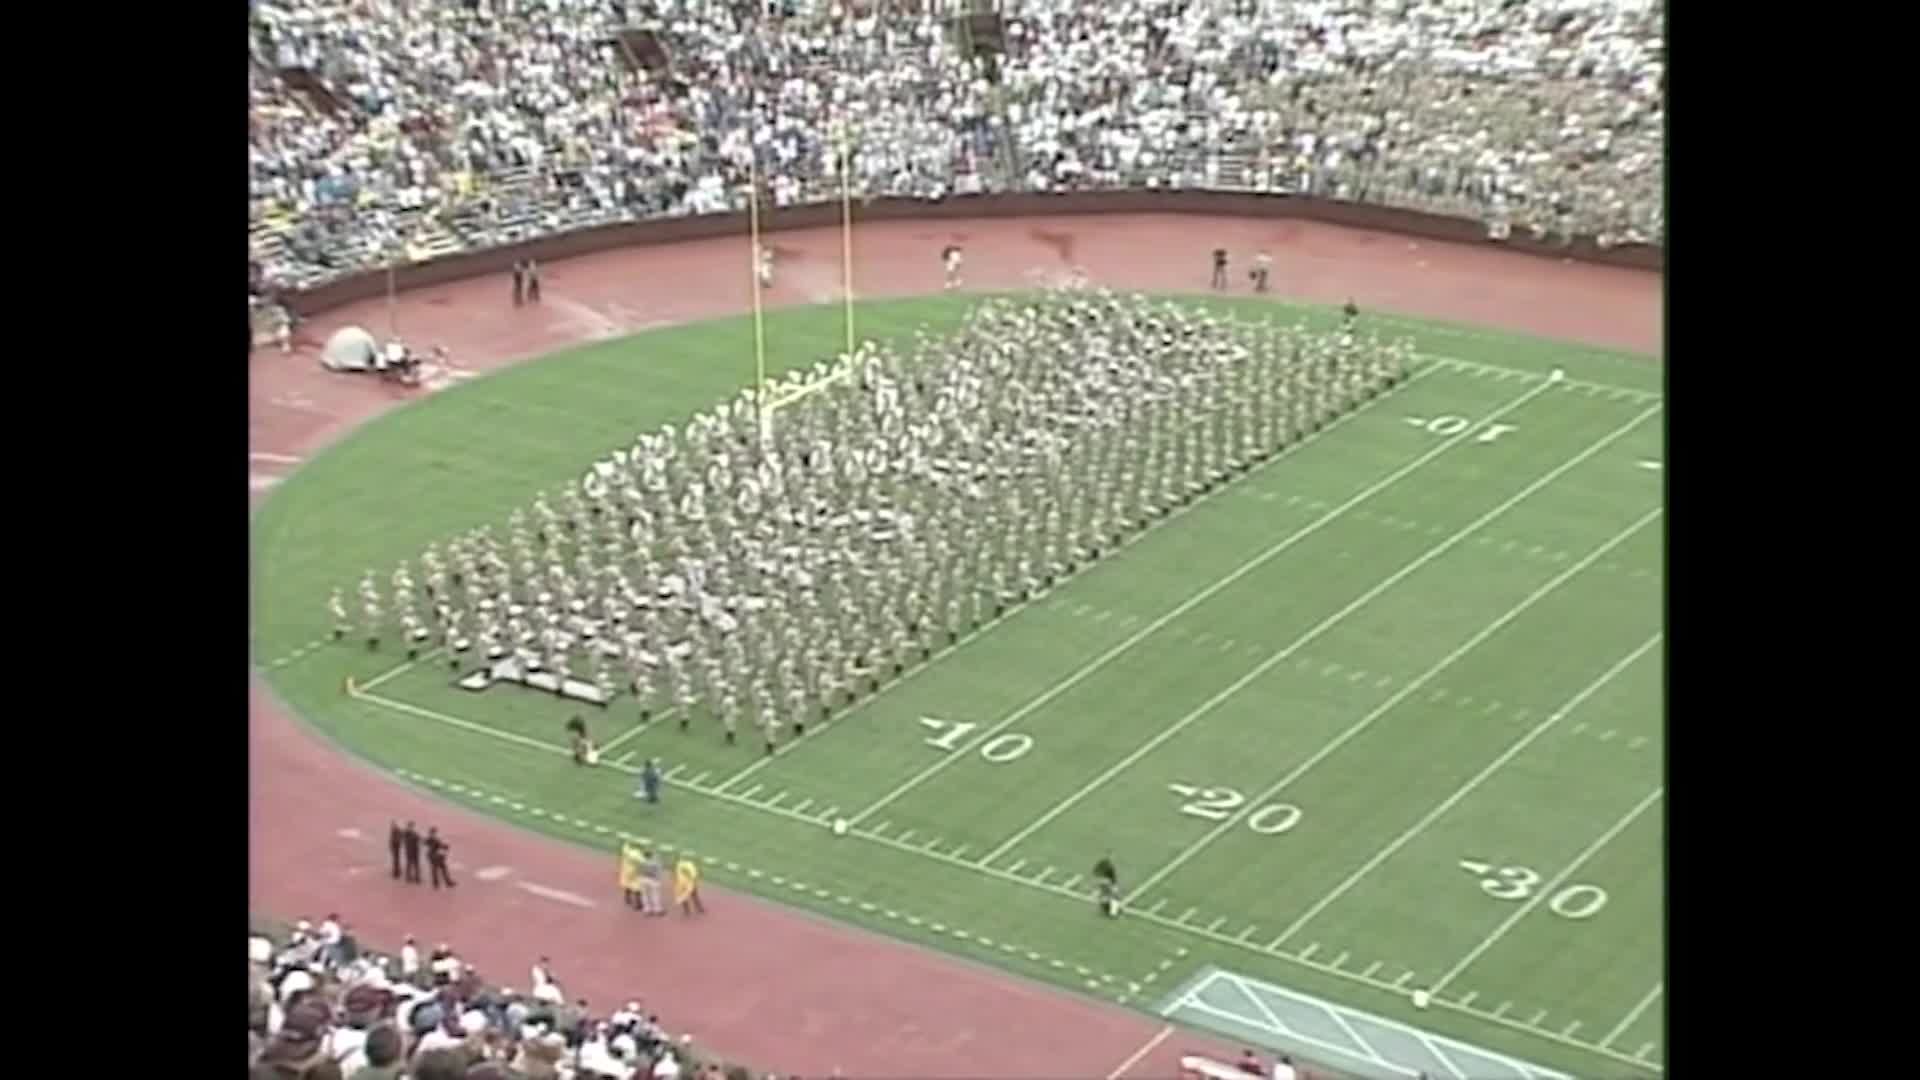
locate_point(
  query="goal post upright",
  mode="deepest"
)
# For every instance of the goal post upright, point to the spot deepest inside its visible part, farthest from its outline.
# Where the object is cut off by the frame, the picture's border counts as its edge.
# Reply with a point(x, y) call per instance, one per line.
point(846, 224)
point(753, 283)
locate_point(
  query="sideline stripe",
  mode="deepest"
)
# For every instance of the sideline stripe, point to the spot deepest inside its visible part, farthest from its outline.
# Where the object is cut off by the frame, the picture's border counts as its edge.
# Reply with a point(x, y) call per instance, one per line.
point(1039, 884)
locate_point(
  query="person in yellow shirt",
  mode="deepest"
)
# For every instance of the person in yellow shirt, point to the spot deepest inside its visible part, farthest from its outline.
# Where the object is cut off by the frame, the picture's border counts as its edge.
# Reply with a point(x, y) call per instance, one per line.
point(630, 876)
point(686, 887)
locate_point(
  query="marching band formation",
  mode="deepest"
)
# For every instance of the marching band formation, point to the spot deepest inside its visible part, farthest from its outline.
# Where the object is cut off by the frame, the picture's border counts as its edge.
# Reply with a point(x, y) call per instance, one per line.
point(769, 574)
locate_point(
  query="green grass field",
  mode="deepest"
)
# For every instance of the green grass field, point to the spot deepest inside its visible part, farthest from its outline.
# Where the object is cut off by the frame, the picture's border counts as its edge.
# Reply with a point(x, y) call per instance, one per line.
point(1384, 715)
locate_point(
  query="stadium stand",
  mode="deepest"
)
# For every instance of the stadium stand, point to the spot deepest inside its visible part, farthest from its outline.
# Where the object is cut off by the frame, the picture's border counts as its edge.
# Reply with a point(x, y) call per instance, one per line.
point(383, 130)
point(318, 1005)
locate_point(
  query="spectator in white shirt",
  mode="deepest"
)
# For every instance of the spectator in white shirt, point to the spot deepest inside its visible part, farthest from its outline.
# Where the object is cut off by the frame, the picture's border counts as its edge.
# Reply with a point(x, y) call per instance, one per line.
point(1428, 102)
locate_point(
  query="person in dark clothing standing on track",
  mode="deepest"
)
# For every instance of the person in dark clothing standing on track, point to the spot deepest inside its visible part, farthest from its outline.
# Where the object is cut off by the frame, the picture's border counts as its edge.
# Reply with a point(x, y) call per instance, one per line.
point(519, 283)
point(533, 282)
point(437, 859)
point(396, 844)
point(1107, 880)
point(1219, 268)
point(1351, 313)
point(410, 841)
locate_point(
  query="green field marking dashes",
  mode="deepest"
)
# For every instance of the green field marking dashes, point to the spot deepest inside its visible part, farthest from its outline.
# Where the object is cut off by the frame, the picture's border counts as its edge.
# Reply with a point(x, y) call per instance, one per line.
point(922, 855)
point(937, 850)
point(1123, 991)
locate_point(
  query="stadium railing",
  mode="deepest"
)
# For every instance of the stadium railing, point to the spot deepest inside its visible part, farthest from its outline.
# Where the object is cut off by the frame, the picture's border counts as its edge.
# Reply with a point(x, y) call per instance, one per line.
point(480, 261)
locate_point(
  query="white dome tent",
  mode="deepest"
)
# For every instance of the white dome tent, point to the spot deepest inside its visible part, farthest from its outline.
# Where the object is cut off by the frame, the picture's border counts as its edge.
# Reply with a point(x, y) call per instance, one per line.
point(350, 348)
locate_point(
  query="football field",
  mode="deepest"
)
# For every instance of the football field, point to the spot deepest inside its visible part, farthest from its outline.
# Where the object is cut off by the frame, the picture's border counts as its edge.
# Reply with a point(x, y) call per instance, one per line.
point(1383, 716)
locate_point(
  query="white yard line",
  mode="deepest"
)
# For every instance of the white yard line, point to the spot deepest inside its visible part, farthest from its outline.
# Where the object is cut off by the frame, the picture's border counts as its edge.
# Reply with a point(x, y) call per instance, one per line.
point(361, 694)
point(1098, 663)
point(1549, 888)
point(1620, 1028)
point(1458, 364)
point(1472, 785)
point(1301, 642)
point(638, 728)
point(395, 672)
point(1147, 1048)
point(970, 637)
point(1037, 884)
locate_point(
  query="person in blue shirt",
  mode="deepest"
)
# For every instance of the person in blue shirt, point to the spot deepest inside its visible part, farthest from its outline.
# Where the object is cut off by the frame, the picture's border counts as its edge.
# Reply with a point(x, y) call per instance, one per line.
point(650, 781)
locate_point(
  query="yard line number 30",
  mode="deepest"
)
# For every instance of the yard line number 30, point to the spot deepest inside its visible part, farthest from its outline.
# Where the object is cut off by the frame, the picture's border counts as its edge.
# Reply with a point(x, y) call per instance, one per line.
point(1519, 882)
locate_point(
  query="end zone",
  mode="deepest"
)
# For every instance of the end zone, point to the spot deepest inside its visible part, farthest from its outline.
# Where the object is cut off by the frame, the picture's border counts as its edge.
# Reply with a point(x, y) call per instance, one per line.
point(1262, 1014)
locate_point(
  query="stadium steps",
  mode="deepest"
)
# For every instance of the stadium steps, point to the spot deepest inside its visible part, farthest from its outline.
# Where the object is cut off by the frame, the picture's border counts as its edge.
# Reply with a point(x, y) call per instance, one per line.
point(308, 85)
point(431, 239)
point(266, 238)
point(1236, 172)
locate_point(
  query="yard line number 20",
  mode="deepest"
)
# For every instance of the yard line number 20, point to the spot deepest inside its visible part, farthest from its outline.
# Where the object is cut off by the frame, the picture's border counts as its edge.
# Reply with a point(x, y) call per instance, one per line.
point(1001, 749)
point(1219, 804)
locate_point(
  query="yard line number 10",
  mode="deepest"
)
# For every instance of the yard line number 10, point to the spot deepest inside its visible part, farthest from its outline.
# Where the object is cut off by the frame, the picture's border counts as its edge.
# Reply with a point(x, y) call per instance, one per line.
point(1000, 750)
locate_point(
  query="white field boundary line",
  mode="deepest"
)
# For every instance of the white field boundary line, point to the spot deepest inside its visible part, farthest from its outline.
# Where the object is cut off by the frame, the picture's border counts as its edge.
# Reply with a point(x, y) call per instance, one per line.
point(1573, 349)
point(297, 653)
point(364, 689)
point(1285, 1032)
point(1463, 333)
point(1100, 662)
point(1152, 527)
point(1059, 891)
point(398, 670)
point(1100, 983)
point(1420, 827)
point(1549, 888)
point(1308, 638)
point(1628, 1020)
point(800, 388)
point(1146, 1048)
point(1476, 367)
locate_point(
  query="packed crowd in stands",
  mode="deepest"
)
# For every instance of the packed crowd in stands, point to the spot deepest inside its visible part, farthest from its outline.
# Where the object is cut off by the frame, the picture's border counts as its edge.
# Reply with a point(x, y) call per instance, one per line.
point(321, 1008)
point(385, 126)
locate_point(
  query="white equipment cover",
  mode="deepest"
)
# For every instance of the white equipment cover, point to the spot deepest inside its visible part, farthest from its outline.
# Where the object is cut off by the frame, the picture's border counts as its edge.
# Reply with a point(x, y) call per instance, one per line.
point(350, 348)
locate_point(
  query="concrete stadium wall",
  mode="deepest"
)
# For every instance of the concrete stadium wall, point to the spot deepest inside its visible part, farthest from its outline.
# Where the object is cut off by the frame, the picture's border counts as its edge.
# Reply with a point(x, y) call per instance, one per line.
point(548, 249)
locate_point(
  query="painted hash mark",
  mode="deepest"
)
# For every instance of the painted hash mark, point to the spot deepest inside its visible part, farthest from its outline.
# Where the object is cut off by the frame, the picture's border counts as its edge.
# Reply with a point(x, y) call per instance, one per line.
point(1101, 981)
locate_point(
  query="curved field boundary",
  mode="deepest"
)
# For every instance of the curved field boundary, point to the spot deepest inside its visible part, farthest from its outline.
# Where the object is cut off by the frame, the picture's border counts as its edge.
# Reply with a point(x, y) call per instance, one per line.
point(765, 983)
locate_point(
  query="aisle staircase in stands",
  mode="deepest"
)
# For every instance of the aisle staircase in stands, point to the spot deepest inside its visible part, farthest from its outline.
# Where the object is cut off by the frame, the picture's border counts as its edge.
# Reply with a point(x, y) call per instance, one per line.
point(266, 239)
point(515, 208)
point(308, 85)
point(1235, 171)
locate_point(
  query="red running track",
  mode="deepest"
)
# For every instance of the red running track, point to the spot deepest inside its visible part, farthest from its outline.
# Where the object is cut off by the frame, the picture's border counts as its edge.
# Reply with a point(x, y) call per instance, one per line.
point(759, 982)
